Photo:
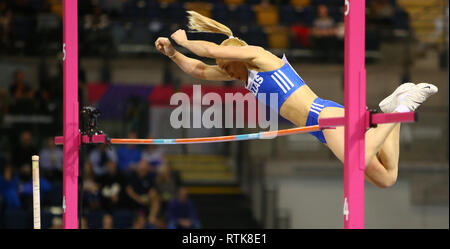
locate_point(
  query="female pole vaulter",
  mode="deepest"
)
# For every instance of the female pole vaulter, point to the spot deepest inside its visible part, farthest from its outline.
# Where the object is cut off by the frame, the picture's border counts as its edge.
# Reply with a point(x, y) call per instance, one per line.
point(263, 72)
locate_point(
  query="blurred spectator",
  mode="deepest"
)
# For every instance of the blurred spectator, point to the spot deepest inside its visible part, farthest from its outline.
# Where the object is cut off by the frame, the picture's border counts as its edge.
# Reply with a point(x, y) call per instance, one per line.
point(100, 157)
point(107, 222)
point(4, 102)
point(51, 160)
point(140, 190)
point(112, 187)
point(381, 12)
point(301, 35)
point(84, 223)
point(324, 33)
point(5, 24)
point(139, 221)
point(9, 185)
point(97, 20)
point(21, 155)
point(96, 36)
point(45, 94)
point(128, 155)
point(26, 192)
point(153, 155)
point(57, 223)
point(340, 29)
point(167, 184)
point(181, 212)
point(23, 99)
point(20, 89)
point(137, 116)
point(91, 195)
point(323, 25)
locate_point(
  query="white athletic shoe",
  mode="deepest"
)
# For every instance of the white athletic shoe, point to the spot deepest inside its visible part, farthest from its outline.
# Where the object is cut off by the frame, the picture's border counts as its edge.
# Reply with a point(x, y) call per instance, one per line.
point(416, 96)
point(391, 102)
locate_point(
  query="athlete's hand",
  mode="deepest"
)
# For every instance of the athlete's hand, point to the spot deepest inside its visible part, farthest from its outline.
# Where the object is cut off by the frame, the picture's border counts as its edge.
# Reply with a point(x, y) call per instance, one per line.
point(179, 37)
point(164, 46)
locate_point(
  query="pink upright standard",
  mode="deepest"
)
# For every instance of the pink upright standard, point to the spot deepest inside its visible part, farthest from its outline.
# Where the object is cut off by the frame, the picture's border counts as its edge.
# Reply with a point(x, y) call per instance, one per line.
point(355, 113)
point(70, 112)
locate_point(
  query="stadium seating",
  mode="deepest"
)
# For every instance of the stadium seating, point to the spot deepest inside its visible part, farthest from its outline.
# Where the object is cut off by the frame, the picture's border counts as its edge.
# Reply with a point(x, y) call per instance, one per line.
point(266, 15)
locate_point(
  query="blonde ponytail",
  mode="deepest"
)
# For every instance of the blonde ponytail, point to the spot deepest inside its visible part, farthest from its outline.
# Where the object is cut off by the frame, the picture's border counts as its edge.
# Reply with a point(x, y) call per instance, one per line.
point(202, 23)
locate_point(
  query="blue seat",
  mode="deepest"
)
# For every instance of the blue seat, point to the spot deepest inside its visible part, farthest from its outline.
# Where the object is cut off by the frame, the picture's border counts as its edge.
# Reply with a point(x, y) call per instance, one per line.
point(123, 219)
point(309, 14)
point(130, 10)
point(154, 10)
point(244, 14)
point(18, 219)
point(256, 36)
point(287, 14)
point(94, 219)
point(401, 19)
point(221, 13)
point(54, 197)
point(175, 13)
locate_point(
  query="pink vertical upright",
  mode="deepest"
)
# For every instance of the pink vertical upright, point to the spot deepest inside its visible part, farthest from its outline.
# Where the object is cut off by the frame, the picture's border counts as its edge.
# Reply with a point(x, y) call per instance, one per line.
point(355, 113)
point(70, 114)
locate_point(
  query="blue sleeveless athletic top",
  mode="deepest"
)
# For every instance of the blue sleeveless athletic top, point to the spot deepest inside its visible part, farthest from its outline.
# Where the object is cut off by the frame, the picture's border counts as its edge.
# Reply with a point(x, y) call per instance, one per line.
point(283, 81)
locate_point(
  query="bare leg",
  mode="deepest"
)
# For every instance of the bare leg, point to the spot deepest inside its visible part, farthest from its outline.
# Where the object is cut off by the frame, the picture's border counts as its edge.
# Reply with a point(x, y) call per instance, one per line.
point(383, 168)
point(390, 151)
point(380, 170)
point(375, 140)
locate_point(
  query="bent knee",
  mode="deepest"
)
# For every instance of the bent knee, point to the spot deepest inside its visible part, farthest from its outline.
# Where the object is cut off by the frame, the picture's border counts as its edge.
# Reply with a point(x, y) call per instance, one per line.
point(387, 182)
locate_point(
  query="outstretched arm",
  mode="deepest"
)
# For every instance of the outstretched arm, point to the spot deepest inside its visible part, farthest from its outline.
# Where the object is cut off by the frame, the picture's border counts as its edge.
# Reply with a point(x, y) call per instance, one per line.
point(212, 50)
point(193, 67)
